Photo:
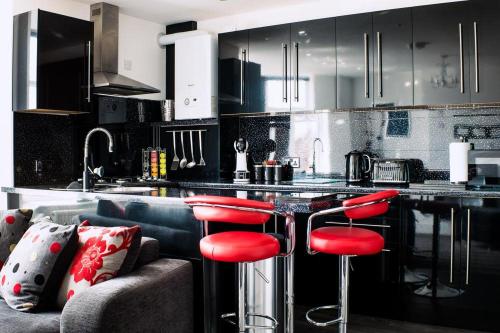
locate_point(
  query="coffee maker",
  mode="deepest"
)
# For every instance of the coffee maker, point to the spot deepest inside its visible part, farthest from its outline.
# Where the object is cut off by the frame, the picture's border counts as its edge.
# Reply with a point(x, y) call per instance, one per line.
point(241, 174)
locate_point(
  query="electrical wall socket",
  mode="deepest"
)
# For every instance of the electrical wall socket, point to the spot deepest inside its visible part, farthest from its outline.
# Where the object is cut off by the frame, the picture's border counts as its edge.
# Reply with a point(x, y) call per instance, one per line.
point(294, 161)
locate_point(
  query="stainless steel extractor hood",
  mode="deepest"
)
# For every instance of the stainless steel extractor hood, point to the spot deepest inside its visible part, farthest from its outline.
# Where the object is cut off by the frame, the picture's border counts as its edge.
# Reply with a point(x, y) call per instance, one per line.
point(107, 81)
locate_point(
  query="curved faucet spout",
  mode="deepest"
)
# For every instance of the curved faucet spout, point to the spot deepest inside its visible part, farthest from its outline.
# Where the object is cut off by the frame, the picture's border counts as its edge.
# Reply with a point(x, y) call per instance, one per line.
point(86, 178)
point(314, 154)
point(89, 135)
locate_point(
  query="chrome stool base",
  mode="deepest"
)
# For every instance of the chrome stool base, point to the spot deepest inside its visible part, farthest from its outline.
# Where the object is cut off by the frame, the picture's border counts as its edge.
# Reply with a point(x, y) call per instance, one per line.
point(273, 326)
point(342, 307)
point(323, 323)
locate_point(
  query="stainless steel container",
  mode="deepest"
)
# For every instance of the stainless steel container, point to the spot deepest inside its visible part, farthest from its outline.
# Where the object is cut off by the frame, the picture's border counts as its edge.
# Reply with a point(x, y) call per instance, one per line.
point(269, 173)
point(278, 173)
point(259, 172)
point(167, 110)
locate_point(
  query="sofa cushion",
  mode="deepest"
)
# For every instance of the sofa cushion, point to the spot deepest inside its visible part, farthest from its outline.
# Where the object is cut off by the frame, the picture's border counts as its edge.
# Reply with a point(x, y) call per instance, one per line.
point(13, 225)
point(32, 274)
point(132, 253)
point(173, 242)
point(99, 258)
point(148, 252)
point(12, 321)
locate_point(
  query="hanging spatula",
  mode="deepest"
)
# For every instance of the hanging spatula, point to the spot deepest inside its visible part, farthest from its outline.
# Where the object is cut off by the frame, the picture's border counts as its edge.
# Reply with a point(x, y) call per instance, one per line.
point(175, 161)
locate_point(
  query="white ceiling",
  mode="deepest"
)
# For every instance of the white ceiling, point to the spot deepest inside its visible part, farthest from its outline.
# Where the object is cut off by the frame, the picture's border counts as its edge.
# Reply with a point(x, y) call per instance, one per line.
point(174, 11)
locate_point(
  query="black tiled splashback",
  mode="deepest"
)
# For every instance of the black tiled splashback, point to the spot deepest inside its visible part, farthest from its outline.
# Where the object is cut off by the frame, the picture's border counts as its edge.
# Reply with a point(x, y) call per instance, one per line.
point(420, 134)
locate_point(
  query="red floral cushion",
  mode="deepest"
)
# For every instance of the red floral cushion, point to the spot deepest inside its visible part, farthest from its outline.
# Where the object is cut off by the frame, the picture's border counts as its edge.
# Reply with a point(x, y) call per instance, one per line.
point(100, 255)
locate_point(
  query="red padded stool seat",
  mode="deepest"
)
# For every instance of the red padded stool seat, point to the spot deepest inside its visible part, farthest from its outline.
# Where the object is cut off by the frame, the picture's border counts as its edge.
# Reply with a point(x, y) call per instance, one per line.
point(239, 246)
point(346, 241)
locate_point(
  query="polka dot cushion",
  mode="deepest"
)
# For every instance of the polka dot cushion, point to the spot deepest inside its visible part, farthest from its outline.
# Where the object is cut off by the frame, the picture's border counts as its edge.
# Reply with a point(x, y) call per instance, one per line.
point(33, 273)
point(13, 225)
point(100, 256)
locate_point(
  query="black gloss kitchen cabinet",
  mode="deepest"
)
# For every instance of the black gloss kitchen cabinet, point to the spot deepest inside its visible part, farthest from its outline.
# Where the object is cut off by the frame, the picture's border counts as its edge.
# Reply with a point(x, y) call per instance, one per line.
point(268, 49)
point(374, 59)
point(483, 34)
point(52, 63)
point(278, 68)
point(354, 61)
point(441, 54)
point(233, 69)
point(393, 58)
point(313, 74)
point(450, 262)
point(479, 272)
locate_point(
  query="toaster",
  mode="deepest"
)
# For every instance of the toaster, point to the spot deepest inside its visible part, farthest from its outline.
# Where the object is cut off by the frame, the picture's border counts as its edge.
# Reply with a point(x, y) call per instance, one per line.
point(396, 171)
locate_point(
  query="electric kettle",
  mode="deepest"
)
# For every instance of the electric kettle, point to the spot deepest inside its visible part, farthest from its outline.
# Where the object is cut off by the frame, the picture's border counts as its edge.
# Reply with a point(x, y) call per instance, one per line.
point(358, 166)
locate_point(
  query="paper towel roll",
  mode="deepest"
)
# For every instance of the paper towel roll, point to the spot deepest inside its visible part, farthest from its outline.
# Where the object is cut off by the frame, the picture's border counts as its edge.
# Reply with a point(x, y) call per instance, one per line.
point(459, 163)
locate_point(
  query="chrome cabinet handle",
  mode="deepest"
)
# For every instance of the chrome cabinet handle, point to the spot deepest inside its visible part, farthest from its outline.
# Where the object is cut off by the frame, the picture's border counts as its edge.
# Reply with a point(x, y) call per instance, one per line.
point(461, 45)
point(467, 264)
point(284, 92)
point(379, 60)
point(296, 87)
point(476, 59)
point(452, 241)
point(367, 93)
point(242, 76)
point(89, 70)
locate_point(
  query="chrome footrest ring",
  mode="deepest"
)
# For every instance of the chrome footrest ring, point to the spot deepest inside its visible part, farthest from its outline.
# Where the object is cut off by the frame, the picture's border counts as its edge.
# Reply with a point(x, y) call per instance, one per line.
point(324, 323)
point(273, 326)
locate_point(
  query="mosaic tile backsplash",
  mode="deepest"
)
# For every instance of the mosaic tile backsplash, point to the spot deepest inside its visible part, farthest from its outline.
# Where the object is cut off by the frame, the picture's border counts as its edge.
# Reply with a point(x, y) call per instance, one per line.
point(415, 134)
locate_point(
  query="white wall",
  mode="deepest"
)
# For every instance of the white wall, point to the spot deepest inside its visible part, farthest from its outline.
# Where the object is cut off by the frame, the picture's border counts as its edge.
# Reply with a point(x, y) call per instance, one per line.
point(303, 12)
point(64, 7)
point(138, 45)
point(6, 137)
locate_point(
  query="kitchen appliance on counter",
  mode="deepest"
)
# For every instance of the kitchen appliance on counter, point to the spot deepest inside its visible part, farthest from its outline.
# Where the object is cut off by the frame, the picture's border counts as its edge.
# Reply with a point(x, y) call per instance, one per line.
point(241, 174)
point(484, 168)
point(396, 171)
point(358, 166)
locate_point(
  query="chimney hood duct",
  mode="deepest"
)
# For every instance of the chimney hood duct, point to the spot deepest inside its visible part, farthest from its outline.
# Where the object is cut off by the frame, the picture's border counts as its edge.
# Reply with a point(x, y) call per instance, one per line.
point(107, 81)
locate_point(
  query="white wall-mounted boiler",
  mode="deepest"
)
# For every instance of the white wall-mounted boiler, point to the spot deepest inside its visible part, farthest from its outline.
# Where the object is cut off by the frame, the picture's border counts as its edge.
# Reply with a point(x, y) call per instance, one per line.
point(196, 77)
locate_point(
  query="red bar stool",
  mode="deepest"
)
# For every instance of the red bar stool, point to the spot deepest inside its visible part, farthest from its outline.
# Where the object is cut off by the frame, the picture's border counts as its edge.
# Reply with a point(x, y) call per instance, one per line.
point(241, 247)
point(347, 242)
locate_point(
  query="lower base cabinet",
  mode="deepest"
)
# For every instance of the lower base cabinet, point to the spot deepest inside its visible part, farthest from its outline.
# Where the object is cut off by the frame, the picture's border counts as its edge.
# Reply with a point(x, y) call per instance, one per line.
point(441, 265)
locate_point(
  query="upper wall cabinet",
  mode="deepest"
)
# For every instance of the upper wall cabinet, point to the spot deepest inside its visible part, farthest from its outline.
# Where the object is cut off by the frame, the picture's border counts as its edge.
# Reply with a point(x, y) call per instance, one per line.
point(52, 63)
point(393, 62)
point(374, 59)
point(441, 54)
point(484, 33)
point(269, 69)
point(233, 68)
point(313, 74)
point(354, 61)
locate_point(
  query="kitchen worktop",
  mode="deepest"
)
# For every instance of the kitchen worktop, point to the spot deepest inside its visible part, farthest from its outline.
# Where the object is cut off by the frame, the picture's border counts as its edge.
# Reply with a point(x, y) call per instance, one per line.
point(285, 201)
point(299, 196)
point(335, 186)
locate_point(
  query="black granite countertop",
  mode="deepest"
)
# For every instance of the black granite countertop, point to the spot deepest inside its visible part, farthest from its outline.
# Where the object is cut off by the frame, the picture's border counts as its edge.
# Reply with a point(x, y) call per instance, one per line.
point(298, 196)
point(340, 186)
point(284, 201)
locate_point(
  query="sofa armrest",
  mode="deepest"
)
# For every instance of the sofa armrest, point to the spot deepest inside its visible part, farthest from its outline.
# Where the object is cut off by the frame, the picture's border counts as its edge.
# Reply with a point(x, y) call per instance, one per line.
point(157, 297)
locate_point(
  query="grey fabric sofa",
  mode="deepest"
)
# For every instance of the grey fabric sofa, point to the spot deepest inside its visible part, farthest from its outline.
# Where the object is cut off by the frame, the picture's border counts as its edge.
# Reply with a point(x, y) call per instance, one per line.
point(156, 297)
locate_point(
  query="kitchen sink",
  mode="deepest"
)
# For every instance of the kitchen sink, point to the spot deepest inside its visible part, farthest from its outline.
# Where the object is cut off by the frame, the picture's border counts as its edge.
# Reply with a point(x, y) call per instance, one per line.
point(122, 189)
point(317, 181)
